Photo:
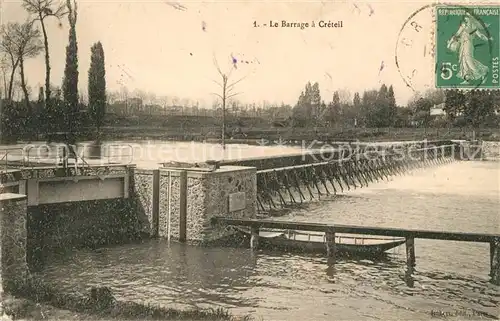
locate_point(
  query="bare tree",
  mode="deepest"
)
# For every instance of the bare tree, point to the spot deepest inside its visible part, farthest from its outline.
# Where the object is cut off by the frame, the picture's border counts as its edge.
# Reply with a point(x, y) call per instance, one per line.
point(151, 98)
point(163, 100)
point(17, 93)
point(112, 97)
point(344, 96)
point(20, 42)
point(28, 44)
point(4, 66)
point(41, 10)
point(141, 94)
point(8, 46)
point(185, 102)
point(124, 96)
point(227, 87)
point(175, 101)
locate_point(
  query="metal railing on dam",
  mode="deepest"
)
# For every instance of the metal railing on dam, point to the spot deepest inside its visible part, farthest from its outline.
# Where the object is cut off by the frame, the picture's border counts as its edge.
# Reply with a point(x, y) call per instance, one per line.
point(291, 185)
point(63, 155)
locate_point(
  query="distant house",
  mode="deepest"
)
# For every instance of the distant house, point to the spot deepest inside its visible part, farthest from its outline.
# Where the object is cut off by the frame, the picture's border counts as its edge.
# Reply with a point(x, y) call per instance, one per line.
point(174, 110)
point(154, 109)
point(438, 110)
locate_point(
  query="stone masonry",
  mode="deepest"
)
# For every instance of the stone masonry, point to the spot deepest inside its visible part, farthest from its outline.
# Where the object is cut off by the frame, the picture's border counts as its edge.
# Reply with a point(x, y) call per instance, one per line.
point(207, 196)
point(143, 189)
point(13, 237)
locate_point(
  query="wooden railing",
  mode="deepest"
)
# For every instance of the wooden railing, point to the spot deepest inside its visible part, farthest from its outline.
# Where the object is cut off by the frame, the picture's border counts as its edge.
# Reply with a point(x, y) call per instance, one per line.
point(408, 234)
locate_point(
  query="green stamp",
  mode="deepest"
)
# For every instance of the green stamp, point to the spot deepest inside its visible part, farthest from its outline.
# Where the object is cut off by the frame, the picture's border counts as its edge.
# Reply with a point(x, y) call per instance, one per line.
point(467, 47)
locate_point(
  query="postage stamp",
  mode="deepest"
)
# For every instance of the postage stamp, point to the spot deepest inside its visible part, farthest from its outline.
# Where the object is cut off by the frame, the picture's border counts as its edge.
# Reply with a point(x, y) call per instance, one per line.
point(467, 47)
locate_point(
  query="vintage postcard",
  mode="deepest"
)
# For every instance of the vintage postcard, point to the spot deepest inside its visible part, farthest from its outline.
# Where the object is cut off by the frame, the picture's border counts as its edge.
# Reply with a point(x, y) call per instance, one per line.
point(249, 160)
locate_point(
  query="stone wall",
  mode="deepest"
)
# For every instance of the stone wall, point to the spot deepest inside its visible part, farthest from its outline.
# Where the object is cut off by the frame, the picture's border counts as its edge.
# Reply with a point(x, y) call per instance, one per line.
point(207, 196)
point(143, 194)
point(13, 240)
point(217, 202)
point(195, 189)
point(61, 227)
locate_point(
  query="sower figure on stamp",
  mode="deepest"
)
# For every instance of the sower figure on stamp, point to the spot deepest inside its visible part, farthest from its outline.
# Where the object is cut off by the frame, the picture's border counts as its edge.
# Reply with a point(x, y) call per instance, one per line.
point(462, 42)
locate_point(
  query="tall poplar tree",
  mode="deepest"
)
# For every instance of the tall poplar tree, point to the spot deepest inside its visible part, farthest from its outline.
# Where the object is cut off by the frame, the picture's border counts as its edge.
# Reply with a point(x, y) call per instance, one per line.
point(97, 85)
point(70, 82)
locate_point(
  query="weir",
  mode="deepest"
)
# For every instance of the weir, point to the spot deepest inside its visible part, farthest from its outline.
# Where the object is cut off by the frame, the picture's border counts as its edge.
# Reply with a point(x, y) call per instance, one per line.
point(292, 185)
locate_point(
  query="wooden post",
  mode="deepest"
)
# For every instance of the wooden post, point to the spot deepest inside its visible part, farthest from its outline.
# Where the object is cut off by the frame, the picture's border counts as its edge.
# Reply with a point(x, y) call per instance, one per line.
point(156, 202)
point(410, 253)
point(182, 206)
point(254, 238)
point(330, 244)
point(495, 261)
point(65, 159)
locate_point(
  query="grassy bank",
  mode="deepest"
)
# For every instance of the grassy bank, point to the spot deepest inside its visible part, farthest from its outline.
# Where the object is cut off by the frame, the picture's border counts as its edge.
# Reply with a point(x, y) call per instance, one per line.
point(37, 300)
point(298, 134)
point(199, 128)
point(253, 129)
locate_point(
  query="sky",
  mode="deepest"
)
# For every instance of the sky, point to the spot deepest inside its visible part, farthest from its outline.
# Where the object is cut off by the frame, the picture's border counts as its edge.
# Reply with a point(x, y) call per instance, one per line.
point(168, 48)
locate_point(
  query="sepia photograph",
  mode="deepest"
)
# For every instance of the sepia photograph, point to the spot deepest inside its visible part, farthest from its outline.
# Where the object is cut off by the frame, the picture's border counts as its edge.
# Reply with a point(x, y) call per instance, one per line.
point(279, 160)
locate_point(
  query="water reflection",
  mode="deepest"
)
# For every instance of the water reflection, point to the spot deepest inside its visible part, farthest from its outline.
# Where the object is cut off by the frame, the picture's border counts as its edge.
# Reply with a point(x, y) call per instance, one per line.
point(175, 274)
point(409, 276)
point(330, 269)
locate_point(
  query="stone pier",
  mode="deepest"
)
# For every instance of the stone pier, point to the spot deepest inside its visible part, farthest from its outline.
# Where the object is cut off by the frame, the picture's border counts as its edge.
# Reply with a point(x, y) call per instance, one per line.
point(179, 202)
point(13, 238)
point(229, 191)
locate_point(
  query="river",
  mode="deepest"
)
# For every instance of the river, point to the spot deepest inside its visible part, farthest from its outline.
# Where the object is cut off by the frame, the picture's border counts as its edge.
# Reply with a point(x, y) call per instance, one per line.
point(450, 277)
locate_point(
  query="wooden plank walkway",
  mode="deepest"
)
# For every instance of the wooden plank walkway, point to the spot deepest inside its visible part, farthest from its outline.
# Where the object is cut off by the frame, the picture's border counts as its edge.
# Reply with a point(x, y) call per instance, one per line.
point(410, 235)
point(353, 229)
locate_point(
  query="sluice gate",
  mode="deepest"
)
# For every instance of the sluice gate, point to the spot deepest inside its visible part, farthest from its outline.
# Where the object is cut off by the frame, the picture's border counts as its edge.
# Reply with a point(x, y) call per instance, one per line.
point(290, 186)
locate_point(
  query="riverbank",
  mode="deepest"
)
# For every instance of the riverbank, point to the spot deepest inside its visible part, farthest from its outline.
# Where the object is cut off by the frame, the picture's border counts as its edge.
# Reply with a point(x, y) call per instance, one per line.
point(199, 128)
point(37, 300)
point(26, 310)
point(253, 129)
point(255, 135)
point(15, 308)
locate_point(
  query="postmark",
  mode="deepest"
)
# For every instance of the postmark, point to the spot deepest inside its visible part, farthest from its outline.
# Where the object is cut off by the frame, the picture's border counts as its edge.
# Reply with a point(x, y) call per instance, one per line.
point(414, 50)
point(467, 47)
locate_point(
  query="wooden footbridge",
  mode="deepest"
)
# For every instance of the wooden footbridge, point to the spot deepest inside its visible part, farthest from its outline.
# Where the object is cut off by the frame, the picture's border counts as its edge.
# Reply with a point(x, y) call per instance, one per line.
point(409, 235)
